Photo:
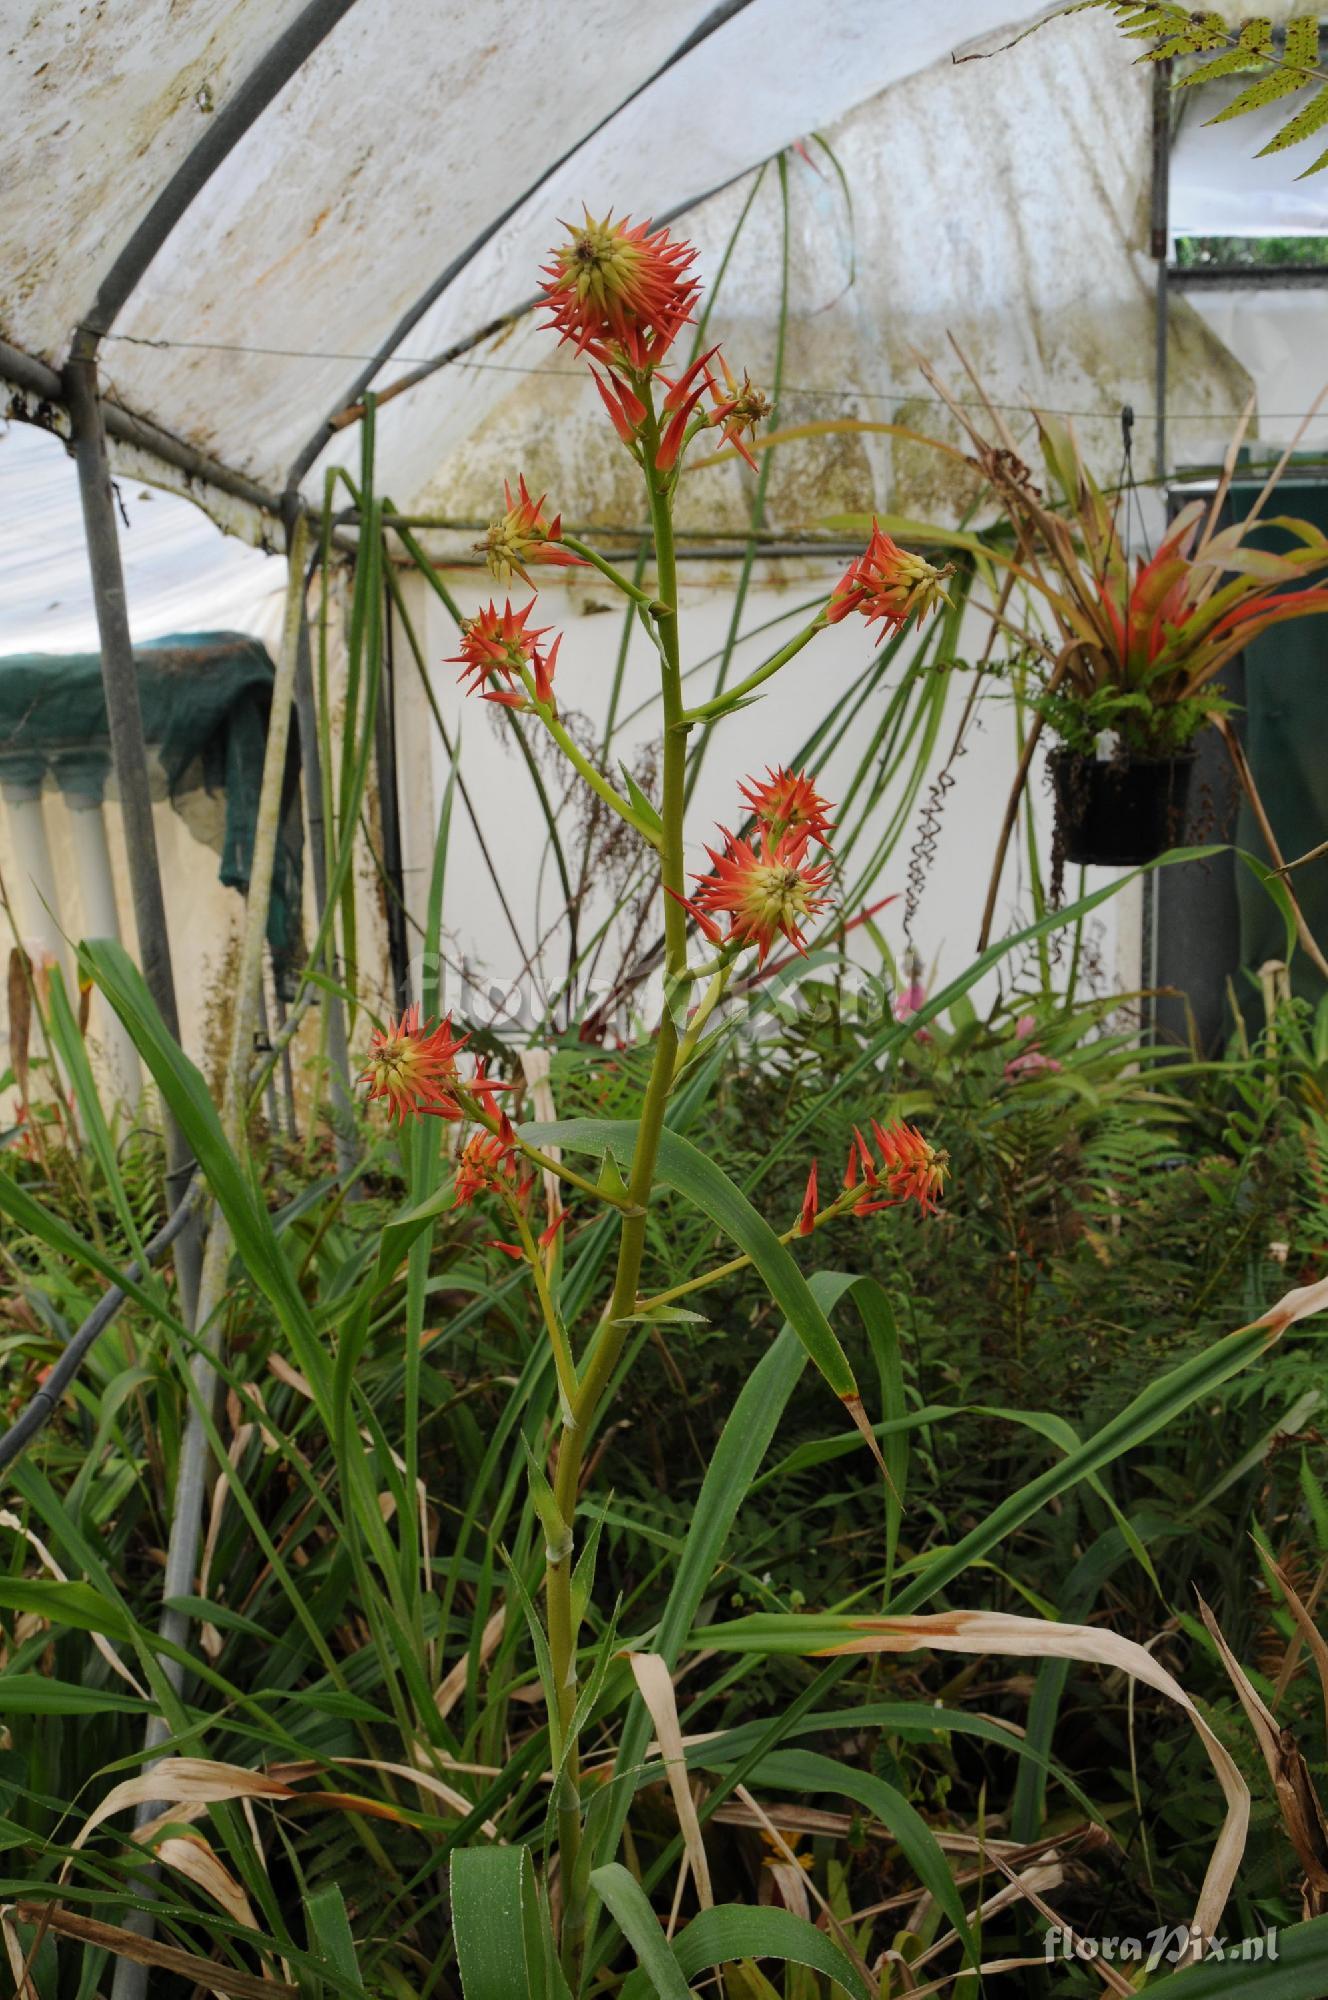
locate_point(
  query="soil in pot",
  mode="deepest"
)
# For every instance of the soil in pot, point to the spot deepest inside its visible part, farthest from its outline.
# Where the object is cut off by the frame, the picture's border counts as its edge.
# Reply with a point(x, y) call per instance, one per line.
point(1121, 812)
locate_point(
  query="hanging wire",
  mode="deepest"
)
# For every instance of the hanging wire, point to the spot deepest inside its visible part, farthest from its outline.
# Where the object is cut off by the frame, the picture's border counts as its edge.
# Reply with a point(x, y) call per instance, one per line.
point(1127, 488)
point(887, 395)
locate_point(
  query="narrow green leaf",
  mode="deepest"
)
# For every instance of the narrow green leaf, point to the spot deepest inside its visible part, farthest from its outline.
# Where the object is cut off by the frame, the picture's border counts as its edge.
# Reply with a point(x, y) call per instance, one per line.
point(36, 1694)
point(327, 1928)
point(1299, 1971)
point(495, 1923)
point(733, 1931)
point(76, 1605)
point(650, 821)
point(628, 1905)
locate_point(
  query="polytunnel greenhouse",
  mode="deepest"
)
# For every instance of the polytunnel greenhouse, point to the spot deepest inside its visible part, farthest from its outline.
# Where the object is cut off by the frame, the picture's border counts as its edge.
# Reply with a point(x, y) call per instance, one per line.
point(664, 1072)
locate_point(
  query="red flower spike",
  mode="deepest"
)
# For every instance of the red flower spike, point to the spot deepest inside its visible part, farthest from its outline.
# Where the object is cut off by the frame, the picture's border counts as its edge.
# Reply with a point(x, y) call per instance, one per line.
point(687, 390)
point(545, 664)
point(486, 1166)
point(887, 585)
point(767, 889)
point(522, 535)
point(807, 1220)
point(548, 1235)
point(496, 647)
point(912, 1167)
point(414, 1069)
point(706, 924)
point(508, 1249)
point(851, 1170)
point(619, 406)
point(788, 802)
point(738, 409)
point(619, 292)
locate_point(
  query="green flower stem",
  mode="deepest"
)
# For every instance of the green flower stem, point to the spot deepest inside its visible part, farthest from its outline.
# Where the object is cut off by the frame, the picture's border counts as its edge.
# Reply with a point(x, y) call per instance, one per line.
point(714, 993)
point(607, 1342)
point(615, 576)
point(598, 783)
point(736, 1264)
point(722, 702)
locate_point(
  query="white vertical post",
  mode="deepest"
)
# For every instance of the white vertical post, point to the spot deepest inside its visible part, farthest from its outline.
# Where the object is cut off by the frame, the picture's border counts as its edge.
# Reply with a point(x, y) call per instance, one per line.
point(36, 898)
point(101, 919)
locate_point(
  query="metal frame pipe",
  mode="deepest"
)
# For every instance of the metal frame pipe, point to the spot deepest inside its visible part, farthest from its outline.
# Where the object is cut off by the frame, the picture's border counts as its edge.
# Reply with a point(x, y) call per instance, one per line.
point(222, 133)
point(129, 754)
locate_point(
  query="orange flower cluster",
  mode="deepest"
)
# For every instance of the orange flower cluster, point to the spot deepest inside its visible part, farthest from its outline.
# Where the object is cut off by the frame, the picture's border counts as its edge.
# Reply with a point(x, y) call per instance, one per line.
point(415, 1070)
point(488, 1164)
point(888, 585)
point(496, 649)
point(909, 1168)
point(766, 884)
point(788, 802)
point(618, 292)
point(767, 888)
point(521, 535)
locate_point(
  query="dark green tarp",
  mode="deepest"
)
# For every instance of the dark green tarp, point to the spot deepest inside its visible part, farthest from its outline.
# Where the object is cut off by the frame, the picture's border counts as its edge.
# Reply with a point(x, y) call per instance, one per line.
point(1286, 740)
point(205, 698)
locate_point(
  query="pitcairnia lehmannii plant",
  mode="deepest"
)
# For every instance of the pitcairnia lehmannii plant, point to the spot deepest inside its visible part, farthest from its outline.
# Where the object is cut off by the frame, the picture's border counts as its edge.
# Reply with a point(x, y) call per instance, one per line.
point(621, 296)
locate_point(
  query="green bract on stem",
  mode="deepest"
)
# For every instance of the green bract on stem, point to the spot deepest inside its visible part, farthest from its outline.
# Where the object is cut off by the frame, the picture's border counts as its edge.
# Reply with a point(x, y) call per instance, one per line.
point(731, 697)
point(581, 764)
point(615, 576)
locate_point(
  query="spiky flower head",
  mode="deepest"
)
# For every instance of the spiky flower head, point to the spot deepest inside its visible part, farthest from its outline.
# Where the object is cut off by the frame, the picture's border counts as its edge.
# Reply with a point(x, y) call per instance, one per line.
point(618, 291)
point(787, 801)
point(521, 535)
point(415, 1069)
point(888, 584)
point(909, 1168)
point(766, 888)
point(738, 410)
point(497, 648)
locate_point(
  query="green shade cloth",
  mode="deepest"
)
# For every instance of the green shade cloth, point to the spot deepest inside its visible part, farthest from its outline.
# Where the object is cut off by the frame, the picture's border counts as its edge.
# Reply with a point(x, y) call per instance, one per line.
point(205, 697)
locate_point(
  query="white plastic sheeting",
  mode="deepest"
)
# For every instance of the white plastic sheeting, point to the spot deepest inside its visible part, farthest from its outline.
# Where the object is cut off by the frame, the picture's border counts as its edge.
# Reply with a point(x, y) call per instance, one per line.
point(1005, 196)
point(403, 136)
point(181, 574)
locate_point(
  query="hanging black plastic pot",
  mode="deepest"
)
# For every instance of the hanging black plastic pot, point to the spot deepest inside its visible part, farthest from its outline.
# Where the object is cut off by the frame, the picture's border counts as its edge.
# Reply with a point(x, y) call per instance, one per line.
point(1121, 811)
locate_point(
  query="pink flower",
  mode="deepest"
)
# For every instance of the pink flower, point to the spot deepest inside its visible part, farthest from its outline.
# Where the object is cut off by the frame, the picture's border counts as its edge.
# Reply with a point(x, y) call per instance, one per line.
point(1031, 1059)
point(909, 1001)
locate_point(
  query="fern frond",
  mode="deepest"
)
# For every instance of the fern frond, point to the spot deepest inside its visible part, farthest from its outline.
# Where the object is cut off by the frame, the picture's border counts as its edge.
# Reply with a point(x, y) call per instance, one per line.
point(1303, 126)
point(1254, 44)
point(1298, 70)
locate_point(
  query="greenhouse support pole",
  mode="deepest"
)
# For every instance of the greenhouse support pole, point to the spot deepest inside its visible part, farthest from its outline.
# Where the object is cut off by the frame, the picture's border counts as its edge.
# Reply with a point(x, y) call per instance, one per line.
point(311, 766)
point(1159, 246)
point(389, 808)
point(128, 752)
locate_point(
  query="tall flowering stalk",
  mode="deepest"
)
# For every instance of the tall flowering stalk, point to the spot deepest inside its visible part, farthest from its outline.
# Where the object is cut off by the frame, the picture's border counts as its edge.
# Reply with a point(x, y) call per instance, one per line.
point(620, 294)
